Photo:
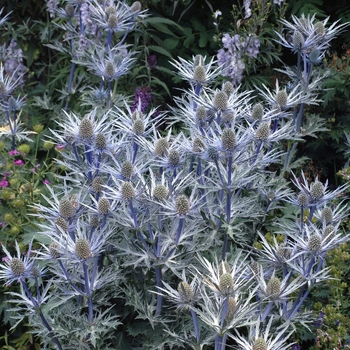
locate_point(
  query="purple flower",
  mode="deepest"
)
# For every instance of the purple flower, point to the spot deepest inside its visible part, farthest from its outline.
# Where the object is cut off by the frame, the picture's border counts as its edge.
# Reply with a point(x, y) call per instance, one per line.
point(18, 162)
point(152, 61)
point(4, 183)
point(142, 98)
point(13, 153)
point(46, 182)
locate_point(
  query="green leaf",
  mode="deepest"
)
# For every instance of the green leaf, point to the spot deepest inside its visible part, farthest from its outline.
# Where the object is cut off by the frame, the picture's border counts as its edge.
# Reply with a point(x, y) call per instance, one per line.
point(159, 20)
point(160, 50)
point(161, 83)
point(189, 41)
point(122, 343)
point(171, 43)
point(203, 39)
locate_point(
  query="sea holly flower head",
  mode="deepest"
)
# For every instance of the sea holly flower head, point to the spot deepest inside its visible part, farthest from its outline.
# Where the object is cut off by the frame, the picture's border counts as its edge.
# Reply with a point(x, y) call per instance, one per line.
point(16, 268)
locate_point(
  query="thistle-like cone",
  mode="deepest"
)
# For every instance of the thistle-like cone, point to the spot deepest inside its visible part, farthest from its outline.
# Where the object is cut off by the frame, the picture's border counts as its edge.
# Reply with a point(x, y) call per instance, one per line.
point(226, 284)
point(201, 113)
point(136, 6)
point(138, 127)
point(86, 129)
point(199, 74)
point(273, 287)
point(314, 243)
point(69, 10)
point(227, 117)
point(110, 10)
point(319, 28)
point(161, 147)
point(54, 250)
point(263, 131)
point(283, 253)
point(271, 195)
point(103, 206)
point(100, 141)
point(97, 184)
point(317, 190)
point(128, 191)
point(302, 199)
point(281, 98)
point(182, 204)
point(258, 111)
point(35, 272)
point(224, 267)
point(198, 145)
point(17, 267)
point(228, 139)
point(327, 215)
point(174, 158)
point(298, 40)
point(66, 208)
point(127, 170)
point(109, 66)
point(220, 100)
point(328, 233)
point(231, 309)
point(259, 344)
point(94, 221)
point(82, 249)
point(228, 88)
point(255, 267)
point(160, 192)
point(61, 224)
point(185, 292)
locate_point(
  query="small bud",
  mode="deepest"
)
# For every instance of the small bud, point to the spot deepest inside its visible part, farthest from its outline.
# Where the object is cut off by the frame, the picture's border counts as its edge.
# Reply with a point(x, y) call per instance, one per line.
point(35, 272)
point(226, 284)
point(47, 145)
point(228, 88)
point(128, 191)
point(161, 147)
point(185, 292)
point(228, 139)
point(198, 145)
point(100, 141)
point(160, 192)
point(82, 249)
point(263, 132)
point(109, 69)
point(94, 222)
point(110, 10)
point(319, 28)
point(298, 40)
point(270, 195)
point(66, 208)
point(138, 127)
point(199, 74)
point(182, 204)
point(273, 288)
point(201, 113)
point(220, 100)
point(213, 153)
point(61, 224)
point(17, 267)
point(302, 199)
point(327, 215)
point(24, 148)
point(317, 190)
point(259, 344)
point(174, 158)
point(97, 184)
point(54, 250)
point(227, 117)
point(38, 128)
point(136, 6)
point(282, 98)
point(86, 129)
point(69, 10)
point(258, 111)
point(314, 243)
point(103, 206)
point(127, 170)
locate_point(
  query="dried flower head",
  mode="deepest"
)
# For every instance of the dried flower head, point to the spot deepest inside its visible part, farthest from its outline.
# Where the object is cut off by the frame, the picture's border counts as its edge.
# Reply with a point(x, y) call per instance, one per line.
point(317, 190)
point(314, 243)
point(160, 192)
point(138, 127)
point(174, 158)
point(257, 111)
point(199, 74)
point(273, 288)
point(327, 215)
point(281, 98)
point(185, 292)
point(198, 145)
point(161, 147)
point(298, 40)
point(61, 224)
point(263, 132)
point(302, 199)
point(100, 141)
point(259, 344)
point(97, 184)
point(54, 250)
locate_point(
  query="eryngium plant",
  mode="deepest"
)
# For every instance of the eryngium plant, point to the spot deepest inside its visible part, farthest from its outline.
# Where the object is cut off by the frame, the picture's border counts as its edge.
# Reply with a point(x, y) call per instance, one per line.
point(145, 223)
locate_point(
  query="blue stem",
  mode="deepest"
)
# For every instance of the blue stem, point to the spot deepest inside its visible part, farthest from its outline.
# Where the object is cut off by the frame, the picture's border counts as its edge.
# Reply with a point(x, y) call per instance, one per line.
point(195, 324)
point(160, 285)
point(179, 230)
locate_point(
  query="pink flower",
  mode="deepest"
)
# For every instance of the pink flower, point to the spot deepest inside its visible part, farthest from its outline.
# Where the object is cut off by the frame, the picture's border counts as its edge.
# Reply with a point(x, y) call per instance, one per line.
point(46, 182)
point(18, 162)
point(5, 258)
point(4, 183)
point(13, 153)
point(32, 170)
point(60, 147)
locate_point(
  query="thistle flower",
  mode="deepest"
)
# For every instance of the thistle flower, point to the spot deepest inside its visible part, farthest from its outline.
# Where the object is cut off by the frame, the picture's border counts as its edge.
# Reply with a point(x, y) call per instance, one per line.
point(16, 268)
point(8, 83)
